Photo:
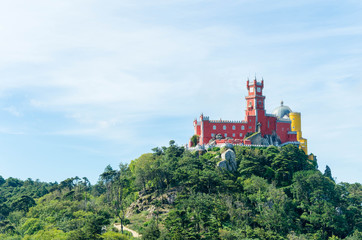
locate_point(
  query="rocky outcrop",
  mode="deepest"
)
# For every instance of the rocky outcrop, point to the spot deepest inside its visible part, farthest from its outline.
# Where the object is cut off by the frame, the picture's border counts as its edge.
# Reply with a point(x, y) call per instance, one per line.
point(148, 202)
point(228, 161)
point(267, 140)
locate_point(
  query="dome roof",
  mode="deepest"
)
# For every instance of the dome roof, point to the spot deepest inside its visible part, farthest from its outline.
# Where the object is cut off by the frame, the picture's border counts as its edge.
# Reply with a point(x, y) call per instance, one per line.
point(282, 111)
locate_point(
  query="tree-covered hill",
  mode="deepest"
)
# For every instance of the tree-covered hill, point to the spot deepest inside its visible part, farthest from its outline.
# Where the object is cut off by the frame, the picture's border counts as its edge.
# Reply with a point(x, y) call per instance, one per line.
point(172, 193)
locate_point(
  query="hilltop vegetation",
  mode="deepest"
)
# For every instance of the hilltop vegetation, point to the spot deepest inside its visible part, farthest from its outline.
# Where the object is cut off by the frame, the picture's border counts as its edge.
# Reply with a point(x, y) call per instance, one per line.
point(276, 193)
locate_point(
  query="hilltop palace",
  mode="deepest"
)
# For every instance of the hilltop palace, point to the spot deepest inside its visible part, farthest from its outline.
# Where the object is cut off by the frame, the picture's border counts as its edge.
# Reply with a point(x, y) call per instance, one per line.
point(258, 129)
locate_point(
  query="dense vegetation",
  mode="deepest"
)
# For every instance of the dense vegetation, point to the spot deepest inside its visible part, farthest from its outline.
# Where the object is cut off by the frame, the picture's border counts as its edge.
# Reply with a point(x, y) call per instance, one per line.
point(276, 193)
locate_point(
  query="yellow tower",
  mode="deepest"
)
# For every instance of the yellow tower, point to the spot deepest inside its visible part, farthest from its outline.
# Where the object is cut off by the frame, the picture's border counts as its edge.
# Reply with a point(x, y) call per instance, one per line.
point(297, 127)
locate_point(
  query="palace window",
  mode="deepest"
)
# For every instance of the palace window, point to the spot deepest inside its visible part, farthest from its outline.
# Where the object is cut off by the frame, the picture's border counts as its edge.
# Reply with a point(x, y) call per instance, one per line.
point(234, 127)
point(241, 134)
point(224, 127)
point(242, 127)
point(214, 127)
point(225, 135)
point(233, 134)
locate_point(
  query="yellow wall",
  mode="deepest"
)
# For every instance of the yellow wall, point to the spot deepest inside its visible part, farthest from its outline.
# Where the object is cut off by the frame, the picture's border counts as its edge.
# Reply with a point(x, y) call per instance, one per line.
point(303, 145)
point(297, 127)
point(296, 122)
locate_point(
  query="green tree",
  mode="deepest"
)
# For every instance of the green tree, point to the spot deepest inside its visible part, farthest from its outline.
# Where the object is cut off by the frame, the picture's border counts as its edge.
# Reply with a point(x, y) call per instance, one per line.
point(24, 203)
point(108, 177)
point(2, 180)
point(328, 173)
point(152, 232)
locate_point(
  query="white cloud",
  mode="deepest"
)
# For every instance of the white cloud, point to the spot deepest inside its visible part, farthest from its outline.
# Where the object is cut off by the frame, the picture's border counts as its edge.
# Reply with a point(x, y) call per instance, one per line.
point(13, 111)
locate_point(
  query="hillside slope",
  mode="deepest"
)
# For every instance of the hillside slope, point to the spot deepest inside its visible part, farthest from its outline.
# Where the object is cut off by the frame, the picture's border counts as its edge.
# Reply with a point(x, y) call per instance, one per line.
point(273, 193)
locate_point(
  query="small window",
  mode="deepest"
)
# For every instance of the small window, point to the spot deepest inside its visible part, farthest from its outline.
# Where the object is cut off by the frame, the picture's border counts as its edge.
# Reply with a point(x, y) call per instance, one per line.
point(212, 135)
point(224, 127)
point(233, 134)
point(251, 89)
point(249, 127)
point(225, 135)
point(242, 127)
point(260, 103)
point(258, 89)
point(214, 127)
point(241, 134)
point(234, 127)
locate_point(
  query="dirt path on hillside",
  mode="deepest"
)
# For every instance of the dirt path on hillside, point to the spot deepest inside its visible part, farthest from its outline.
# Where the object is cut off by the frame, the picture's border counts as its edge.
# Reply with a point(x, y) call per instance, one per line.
point(134, 233)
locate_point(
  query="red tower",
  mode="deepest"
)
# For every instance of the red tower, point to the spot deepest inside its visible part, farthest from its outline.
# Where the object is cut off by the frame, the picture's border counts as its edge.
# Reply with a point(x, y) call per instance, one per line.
point(255, 102)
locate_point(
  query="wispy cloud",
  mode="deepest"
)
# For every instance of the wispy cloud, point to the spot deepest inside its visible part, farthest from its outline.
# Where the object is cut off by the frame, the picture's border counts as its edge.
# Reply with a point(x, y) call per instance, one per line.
point(13, 111)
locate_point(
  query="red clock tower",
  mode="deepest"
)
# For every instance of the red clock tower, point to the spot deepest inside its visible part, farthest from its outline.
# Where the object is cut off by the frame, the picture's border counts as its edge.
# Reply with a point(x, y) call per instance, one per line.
point(255, 101)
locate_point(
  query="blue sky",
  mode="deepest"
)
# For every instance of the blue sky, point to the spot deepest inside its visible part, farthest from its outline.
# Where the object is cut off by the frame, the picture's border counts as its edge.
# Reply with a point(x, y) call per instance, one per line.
point(84, 84)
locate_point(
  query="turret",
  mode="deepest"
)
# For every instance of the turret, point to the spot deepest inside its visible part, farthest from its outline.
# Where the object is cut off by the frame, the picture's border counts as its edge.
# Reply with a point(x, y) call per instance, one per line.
point(296, 126)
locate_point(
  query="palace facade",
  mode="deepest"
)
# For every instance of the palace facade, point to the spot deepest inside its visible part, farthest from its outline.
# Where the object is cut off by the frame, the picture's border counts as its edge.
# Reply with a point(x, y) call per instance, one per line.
point(281, 127)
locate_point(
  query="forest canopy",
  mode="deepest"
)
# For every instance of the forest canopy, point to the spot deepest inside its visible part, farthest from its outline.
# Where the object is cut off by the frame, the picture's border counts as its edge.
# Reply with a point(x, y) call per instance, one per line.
point(173, 193)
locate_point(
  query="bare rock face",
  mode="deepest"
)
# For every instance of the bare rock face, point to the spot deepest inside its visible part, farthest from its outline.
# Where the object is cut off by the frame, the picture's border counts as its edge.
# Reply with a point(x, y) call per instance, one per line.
point(267, 140)
point(147, 203)
point(228, 161)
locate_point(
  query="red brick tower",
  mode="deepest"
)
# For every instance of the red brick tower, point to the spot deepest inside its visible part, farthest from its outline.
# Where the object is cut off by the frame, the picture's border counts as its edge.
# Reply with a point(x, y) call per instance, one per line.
point(255, 102)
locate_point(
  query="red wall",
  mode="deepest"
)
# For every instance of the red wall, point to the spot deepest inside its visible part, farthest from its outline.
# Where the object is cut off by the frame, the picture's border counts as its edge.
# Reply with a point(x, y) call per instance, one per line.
point(208, 129)
point(205, 128)
point(282, 131)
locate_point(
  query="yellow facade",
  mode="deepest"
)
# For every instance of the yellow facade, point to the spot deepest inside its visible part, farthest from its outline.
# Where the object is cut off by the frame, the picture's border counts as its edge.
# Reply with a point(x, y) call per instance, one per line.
point(297, 127)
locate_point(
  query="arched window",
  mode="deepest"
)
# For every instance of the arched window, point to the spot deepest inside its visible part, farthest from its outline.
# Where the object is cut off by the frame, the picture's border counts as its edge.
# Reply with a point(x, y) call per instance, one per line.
point(214, 127)
point(241, 134)
point(242, 127)
point(224, 127)
point(233, 127)
point(225, 135)
point(233, 134)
